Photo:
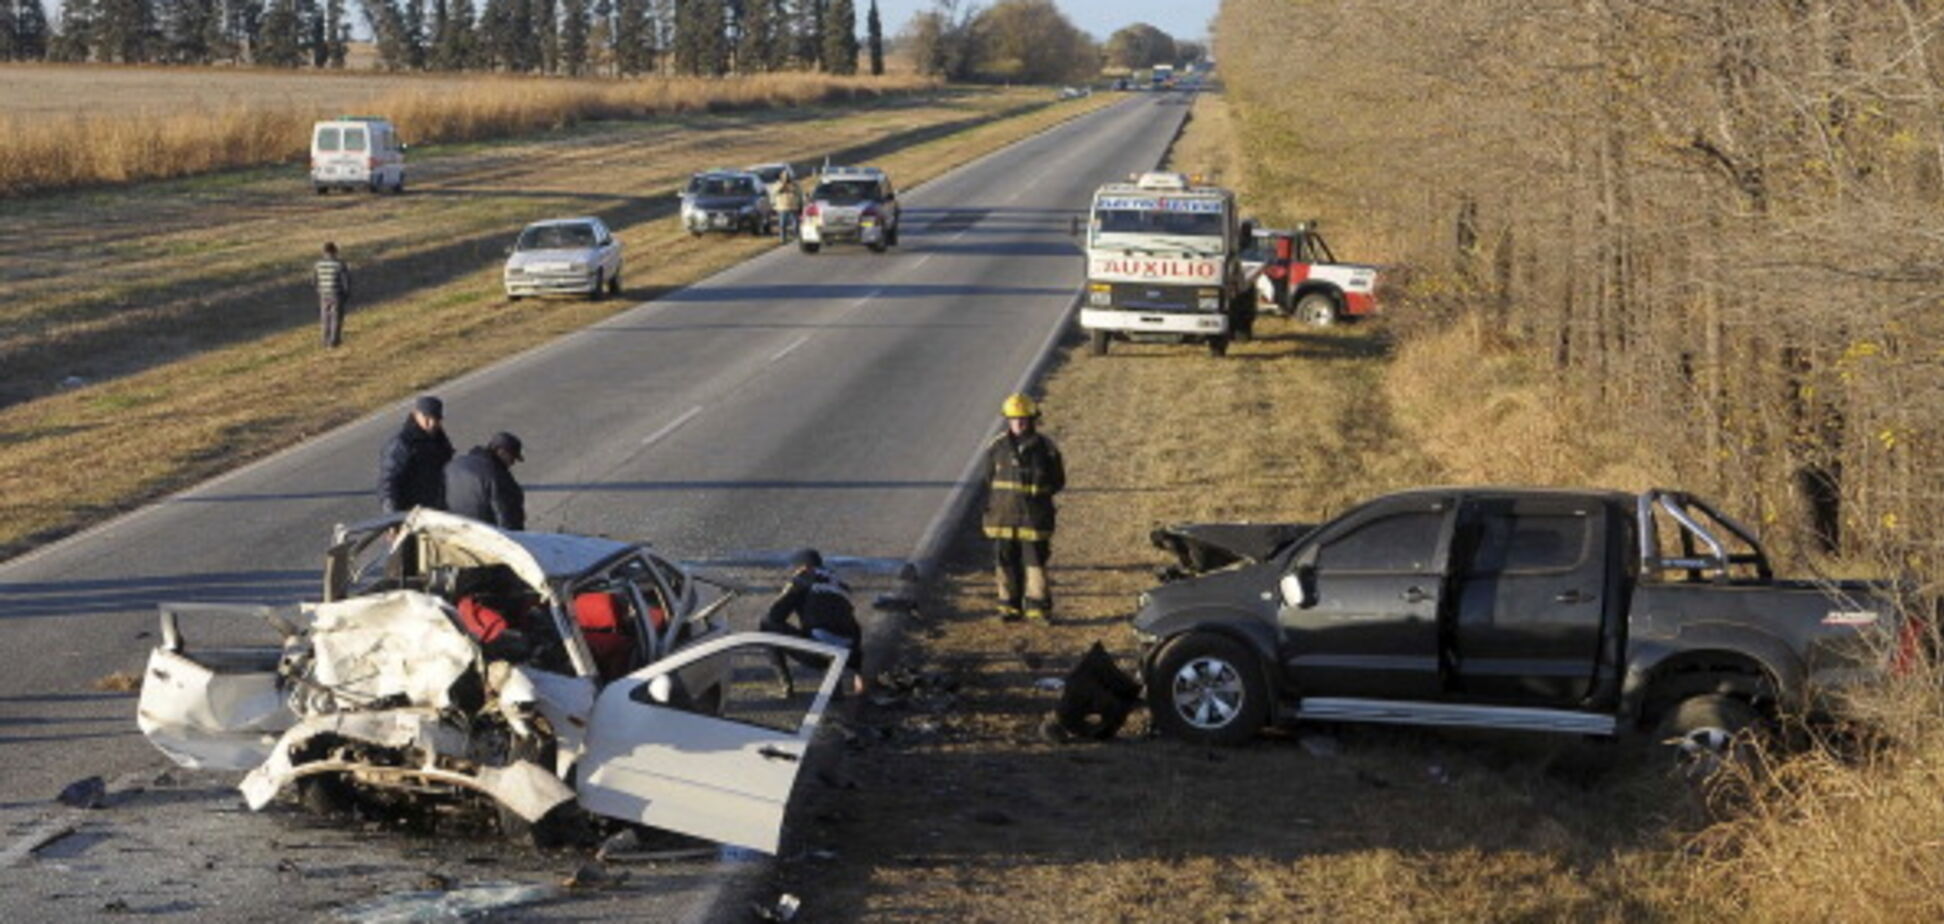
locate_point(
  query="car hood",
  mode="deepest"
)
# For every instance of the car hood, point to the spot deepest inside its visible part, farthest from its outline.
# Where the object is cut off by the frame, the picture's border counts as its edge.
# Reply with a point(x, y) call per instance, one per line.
point(717, 203)
point(1204, 547)
point(525, 258)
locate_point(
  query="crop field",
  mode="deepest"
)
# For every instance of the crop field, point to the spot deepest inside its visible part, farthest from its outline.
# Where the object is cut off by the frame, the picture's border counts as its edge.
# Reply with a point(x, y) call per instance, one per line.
point(85, 126)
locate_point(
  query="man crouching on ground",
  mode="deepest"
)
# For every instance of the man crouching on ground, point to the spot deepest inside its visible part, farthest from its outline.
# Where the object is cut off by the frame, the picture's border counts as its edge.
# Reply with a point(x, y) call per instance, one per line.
point(821, 603)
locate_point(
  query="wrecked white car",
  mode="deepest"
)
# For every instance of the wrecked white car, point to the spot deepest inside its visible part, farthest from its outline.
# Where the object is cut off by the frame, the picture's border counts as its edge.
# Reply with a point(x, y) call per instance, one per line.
point(569, 682)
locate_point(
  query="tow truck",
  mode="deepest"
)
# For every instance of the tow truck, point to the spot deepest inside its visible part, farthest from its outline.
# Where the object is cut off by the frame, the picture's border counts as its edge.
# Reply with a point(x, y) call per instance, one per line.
point(1296, 275)
point(1164, 264)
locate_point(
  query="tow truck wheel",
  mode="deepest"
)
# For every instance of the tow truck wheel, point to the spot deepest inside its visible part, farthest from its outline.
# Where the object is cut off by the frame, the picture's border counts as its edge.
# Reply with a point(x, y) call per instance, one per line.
point(1208, 689)
point(809, 247)
point(1316, 309)
point(1218, 346)
point(1097, 341)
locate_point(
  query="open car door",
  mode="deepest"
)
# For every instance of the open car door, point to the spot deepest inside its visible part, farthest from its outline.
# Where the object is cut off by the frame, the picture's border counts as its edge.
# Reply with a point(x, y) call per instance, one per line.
point(706, 742)
point(216, 707)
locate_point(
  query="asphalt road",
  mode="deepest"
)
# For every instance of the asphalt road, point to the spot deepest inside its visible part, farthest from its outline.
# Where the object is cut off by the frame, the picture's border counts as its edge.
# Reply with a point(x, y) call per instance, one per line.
point(830, 400)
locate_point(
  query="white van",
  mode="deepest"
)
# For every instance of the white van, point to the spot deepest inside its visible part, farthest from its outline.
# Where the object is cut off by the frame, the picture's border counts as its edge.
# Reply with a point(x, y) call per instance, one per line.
point(354, 151)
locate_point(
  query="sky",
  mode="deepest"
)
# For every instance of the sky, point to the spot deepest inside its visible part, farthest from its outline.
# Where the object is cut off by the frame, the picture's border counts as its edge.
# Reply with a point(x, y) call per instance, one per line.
point(1183, 19)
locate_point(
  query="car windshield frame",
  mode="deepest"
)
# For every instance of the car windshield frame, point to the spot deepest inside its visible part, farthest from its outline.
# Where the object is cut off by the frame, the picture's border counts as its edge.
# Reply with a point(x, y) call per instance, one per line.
point(769, 174)
point(719, 187)
point(567, 236)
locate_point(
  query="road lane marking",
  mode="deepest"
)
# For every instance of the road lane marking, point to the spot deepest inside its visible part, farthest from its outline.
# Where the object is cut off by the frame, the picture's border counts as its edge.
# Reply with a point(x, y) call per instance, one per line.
point(672, 425)
point(779, 354)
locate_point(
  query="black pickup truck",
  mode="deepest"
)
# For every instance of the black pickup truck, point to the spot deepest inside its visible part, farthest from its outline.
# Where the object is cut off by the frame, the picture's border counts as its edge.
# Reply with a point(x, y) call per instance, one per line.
point(1583, 612)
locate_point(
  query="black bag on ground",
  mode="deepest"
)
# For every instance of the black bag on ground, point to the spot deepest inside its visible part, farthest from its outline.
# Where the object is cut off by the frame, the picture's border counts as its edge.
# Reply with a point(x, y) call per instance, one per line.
point(1098, 696)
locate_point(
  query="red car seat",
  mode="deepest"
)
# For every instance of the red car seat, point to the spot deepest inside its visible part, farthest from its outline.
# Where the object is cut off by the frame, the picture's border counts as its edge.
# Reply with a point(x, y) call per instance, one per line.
point(600, 615)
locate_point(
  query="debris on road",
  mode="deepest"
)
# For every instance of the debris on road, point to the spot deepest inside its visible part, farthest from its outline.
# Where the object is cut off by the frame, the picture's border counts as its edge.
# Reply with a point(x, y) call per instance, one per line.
point(119, 682)
point(90, 793)
point(592, 876)
point(47, 833)
point(785, 908)
point(445, 905)
point(1320, 745)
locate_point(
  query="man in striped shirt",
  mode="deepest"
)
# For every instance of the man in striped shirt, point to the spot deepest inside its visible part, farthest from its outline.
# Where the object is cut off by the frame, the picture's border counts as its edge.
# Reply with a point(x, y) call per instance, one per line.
point(333, 281)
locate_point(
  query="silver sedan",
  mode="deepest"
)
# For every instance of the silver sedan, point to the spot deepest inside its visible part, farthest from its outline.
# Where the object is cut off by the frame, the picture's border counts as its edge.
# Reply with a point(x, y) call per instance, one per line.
point(565, 256)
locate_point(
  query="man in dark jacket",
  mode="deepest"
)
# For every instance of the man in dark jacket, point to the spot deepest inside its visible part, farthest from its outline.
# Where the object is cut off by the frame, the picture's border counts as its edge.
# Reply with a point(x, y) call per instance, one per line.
point(821, 603)
point(1023, 472)
point(480, 483)
point(333, 281)
point(411, 470)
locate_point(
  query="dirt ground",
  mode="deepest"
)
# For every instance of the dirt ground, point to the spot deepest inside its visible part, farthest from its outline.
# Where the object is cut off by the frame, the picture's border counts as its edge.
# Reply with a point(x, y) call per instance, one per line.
point(181, 309)
point(952, 804)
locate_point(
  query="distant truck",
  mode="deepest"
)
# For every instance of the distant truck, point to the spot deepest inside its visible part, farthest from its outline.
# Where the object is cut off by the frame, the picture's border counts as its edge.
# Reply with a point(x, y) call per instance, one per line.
point(1162, 76)
point(349, 152)
point(1296, 275)
point(1164, 264)
point(1521, 609)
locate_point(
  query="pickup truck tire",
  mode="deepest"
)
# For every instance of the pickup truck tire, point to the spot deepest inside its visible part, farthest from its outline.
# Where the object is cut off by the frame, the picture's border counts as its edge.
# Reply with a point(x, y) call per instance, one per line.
point(1097, 341)
point(1316, 309)
point(1208, 689)
point(1701, 733)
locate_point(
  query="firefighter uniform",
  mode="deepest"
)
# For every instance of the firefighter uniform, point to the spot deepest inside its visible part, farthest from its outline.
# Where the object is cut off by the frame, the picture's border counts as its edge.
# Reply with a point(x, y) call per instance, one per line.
point(1023, 472)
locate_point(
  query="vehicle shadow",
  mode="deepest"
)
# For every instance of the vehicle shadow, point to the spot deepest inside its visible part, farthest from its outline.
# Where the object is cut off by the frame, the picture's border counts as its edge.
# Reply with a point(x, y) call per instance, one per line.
point(1357, 342)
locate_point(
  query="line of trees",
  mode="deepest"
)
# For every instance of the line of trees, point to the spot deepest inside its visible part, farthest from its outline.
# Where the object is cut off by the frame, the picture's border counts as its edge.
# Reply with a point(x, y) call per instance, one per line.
point(1715, 221)
point(1012, 40)
point(572, 37)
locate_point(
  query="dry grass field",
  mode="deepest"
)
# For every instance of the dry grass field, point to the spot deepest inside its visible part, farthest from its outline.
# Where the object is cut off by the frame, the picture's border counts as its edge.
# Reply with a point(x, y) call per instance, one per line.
point(182, 307)
point(77, 126)
point(960, 810)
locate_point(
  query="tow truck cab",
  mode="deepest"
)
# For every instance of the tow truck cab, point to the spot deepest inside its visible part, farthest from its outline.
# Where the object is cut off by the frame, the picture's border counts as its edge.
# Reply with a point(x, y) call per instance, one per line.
point(1297, 275)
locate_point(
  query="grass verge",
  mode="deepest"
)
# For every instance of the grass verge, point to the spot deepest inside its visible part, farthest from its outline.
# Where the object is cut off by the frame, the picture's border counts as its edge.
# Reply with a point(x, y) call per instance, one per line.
point(167, 426)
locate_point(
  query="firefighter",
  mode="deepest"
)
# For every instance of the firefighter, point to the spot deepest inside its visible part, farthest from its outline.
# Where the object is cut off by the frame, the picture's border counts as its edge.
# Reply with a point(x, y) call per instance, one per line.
point(1023, 472)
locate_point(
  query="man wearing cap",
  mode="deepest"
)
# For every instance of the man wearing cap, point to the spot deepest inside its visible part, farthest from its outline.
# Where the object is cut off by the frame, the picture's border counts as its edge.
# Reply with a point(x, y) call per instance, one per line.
point(411, 470)
point(480, 483)
point(821, 603)
point(1023, 472)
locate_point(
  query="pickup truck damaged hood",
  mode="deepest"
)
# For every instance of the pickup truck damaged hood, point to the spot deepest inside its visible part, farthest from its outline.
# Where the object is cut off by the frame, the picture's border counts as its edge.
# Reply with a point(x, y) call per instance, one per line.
point(1204, 547)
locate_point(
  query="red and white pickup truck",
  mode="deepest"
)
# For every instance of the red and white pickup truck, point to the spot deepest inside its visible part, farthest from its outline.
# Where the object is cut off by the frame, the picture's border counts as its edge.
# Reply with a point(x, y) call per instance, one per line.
point(1296, 275)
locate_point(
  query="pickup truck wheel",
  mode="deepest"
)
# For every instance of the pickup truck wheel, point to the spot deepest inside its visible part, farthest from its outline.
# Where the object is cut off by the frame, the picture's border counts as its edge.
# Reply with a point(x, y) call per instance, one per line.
point(1703, 734)
point(1218, 346)
point(1207, 689)
point(1097, 341)
point(1316, 309)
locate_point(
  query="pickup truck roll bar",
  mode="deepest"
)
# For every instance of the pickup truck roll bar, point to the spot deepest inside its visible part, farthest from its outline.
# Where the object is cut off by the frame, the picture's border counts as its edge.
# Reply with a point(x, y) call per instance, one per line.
point(1699, 523)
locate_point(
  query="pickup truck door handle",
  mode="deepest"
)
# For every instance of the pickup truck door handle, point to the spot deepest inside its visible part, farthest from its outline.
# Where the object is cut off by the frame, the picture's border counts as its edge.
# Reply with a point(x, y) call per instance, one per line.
point(1574, 596)
point(773, 752)
point(1415, 595)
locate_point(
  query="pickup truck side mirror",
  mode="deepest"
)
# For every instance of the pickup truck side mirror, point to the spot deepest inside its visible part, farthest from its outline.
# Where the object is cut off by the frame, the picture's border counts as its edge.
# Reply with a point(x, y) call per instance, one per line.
point(1294, 588)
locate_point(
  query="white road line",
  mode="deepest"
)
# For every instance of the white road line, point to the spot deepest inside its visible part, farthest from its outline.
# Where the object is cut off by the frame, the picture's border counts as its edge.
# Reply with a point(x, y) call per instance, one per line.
point(923, 260)
point(672, 426)
point(779, 354)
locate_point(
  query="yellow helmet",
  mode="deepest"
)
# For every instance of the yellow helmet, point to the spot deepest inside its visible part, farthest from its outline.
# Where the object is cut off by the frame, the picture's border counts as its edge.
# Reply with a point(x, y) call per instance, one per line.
point(1019, 406)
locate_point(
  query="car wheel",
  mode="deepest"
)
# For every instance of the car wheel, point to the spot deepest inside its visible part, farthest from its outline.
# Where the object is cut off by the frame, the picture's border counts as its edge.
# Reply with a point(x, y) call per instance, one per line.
point(1704, 734)
point(1097, 341)
point(891, 236)
point(600, 286)
point(326, 795)
point(614, 283)
point(1208, 689)
point(1218, 346)
point(878, 247)
point(809, 247)
point(1316, 309)
point(398, 188)
point(321, 190)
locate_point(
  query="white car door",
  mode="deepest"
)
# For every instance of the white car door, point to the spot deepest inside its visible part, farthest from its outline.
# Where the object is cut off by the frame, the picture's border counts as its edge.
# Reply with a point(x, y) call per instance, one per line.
point(703, 743)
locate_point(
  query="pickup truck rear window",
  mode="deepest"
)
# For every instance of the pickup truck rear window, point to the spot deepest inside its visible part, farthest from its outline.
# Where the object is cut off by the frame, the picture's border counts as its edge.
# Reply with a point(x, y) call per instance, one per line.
point(1404, 543)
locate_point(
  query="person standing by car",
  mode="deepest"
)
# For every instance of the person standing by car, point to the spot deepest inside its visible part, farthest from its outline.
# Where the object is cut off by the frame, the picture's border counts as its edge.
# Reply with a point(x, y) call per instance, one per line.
point(333, 281)
point(1023, 472)
point(821, 603)
point(411, 470)
point(480, 483)
point(788, 203)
